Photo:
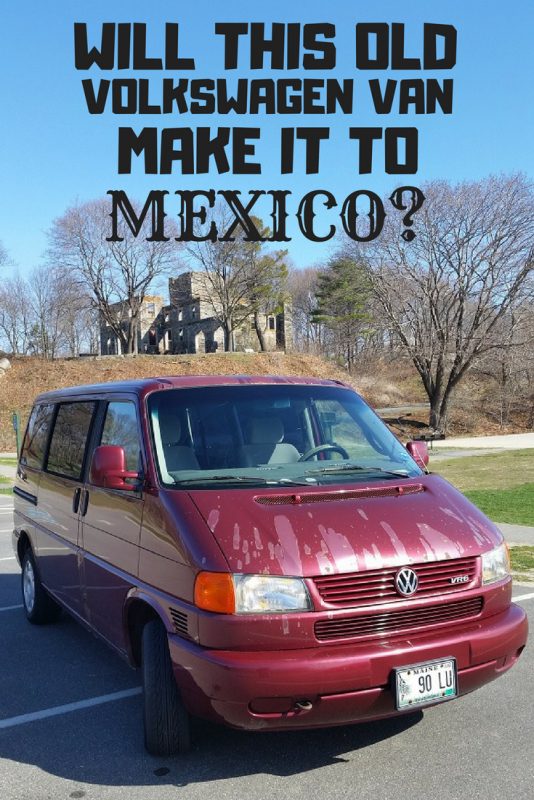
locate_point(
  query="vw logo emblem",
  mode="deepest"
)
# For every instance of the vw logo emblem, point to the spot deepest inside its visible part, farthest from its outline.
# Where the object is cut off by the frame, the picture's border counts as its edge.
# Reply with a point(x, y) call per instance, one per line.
point(406, 582)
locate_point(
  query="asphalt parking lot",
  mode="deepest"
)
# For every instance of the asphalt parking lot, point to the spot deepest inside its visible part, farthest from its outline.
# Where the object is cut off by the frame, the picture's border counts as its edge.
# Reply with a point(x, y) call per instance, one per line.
point(70, 727)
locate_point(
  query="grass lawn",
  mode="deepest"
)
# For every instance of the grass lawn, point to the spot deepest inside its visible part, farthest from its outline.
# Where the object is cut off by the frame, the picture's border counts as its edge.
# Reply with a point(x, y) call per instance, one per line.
point(522, 562)
point(8, 462)
point(500, 484)
point(5, 485)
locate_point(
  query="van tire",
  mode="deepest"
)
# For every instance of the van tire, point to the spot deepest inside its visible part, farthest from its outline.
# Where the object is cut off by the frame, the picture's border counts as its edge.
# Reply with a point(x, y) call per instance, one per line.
point(39, 607)
point(166, 720)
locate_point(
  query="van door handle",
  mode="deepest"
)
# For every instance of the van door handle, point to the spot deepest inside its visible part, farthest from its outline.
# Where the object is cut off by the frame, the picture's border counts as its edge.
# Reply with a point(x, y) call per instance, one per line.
point(76, 500)
point(85, 502)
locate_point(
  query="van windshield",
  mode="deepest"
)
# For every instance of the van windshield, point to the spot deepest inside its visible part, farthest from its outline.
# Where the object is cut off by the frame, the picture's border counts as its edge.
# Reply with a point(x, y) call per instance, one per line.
point(276, 434)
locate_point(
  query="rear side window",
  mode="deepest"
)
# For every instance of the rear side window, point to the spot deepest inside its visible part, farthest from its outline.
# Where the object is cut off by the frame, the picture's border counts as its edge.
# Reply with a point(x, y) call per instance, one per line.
point(69, 439)
point(36, 438)
point(120, 428)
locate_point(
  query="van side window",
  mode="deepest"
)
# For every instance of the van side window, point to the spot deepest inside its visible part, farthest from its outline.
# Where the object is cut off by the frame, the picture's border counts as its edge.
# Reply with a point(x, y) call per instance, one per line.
point(36, 437)
point(69, 439)
point(120, 428)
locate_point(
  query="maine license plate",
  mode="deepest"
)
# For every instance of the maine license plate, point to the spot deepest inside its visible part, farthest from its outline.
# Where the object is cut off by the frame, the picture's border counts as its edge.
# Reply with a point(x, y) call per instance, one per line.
point(431, 682)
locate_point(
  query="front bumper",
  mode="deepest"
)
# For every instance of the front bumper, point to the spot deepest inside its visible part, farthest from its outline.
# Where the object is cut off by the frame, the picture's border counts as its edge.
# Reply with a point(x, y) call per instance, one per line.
point(341, 684)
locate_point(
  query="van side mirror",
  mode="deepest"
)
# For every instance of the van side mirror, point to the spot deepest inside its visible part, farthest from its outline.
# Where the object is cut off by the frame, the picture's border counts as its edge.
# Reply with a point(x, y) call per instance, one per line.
point(419, 452)
point(108, 468)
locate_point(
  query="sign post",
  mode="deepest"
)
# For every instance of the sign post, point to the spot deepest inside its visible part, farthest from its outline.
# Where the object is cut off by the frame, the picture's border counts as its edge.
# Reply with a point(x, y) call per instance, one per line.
point(16, 428)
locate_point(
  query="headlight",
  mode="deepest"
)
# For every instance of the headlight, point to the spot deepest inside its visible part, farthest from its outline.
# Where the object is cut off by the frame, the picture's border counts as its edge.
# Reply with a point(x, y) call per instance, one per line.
point(495, 564)
point(250, 594)
point(259, 594)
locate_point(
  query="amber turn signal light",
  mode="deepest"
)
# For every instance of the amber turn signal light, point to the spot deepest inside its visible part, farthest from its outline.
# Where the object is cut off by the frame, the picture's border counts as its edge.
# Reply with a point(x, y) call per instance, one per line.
point(214, 591)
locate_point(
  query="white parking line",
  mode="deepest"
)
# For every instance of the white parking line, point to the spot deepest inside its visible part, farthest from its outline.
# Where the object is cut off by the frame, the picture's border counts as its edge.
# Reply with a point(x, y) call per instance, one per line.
point(523, 597)
point(10, 608)
point(56, 711)
point(8, 558)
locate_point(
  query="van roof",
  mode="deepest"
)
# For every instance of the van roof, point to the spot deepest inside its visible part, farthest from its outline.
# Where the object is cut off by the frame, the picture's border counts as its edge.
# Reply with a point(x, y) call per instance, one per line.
point(143, 386)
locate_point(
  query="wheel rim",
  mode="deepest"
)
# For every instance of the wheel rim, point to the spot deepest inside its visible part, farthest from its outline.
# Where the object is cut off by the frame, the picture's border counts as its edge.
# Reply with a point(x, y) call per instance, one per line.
point(28, 586)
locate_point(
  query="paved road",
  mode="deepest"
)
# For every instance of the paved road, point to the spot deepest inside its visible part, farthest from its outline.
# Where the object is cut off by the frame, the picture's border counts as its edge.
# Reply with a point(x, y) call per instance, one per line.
point(510, 441)
point(479, 746)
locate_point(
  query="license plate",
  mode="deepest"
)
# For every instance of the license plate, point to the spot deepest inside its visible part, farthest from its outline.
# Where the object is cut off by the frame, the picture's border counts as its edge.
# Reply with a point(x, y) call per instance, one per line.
point(421, 684)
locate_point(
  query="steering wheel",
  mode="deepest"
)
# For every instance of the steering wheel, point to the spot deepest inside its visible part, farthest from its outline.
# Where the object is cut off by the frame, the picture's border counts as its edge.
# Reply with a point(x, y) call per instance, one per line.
point(324, 448)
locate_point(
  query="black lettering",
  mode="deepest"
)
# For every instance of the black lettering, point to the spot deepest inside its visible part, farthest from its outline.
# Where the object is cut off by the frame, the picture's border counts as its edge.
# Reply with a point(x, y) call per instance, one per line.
point(279, 215)
point(146, 142)
point(293, 45)
point(364, 59)
point(96, 104)
point(287, 150)
point(241, 216)
point(431, 33)
point(412, 93)
point(124, 95)
point(188, 215)
point(140, 59)
point(124, 43)
point(326, 49)
point(236, 103)
point(383, 101)
point(209, 146)
point(241, 148)
point(103, 58)
point(172, 59)
point(398, 59)
point(144, 98)
point(154, 203)
point(350, 216)
point(174, 93)
point(313, 138)
point(365, 137)
point(231, 32)
point(306, 215)
point(394, 165)
point(204, 100)
point(169, 136)
point(259, 45)
point(439, 94)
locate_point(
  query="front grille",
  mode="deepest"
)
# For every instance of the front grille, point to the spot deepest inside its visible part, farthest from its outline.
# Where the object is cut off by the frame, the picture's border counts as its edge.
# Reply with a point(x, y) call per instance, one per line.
point(179, 620)
point(393, 621)
point(351, 589)
point(351, 494)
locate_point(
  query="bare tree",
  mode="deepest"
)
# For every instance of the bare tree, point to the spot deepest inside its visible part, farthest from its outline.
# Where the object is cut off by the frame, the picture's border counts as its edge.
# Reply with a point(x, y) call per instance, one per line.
point(15, 314)
point(508, 371)
point(302, 288)
point(117, 275)
point(267, 289)
point(241, 280)
point(61, 316)
point(4, 257)
point(444, 293)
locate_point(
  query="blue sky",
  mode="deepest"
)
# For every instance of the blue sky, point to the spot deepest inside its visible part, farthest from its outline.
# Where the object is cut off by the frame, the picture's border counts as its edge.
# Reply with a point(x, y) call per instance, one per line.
point(52, 152)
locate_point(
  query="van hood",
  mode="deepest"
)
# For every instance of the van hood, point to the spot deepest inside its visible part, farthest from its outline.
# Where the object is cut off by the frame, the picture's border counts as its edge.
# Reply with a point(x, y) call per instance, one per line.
point(324, 530)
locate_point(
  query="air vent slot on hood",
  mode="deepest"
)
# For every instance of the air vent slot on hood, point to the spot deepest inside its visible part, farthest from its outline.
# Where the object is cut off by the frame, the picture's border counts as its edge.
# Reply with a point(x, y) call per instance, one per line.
point(180, 622)
point(399, 490)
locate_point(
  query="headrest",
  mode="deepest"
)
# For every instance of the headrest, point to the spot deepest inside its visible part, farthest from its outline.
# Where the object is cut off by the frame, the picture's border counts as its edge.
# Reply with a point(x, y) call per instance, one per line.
point(266, 430)
point(170, 427)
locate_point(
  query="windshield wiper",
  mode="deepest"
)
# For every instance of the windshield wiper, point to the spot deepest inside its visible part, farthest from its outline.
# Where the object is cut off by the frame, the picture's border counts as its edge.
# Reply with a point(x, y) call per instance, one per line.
point(218, 478)
point(242, 479)
point(355, 468)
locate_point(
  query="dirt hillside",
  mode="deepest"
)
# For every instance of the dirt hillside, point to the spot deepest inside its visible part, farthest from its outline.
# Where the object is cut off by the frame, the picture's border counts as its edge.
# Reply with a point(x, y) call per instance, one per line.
point(30, 376)
point(384, 384)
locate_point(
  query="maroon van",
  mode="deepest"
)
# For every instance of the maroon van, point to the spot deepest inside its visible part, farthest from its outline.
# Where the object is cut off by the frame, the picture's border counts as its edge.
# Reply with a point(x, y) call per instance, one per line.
point(263, 548)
